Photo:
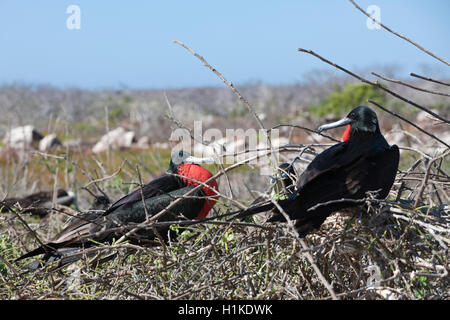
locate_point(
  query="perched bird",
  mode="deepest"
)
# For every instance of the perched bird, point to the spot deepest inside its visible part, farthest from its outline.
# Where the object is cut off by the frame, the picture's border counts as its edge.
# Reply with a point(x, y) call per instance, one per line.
point(363, 162)
point(40, 202)
point(184, 175)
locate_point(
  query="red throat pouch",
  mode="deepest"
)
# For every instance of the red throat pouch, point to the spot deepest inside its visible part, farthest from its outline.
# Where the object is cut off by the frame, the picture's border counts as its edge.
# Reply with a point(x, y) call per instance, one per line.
point(346, 134)
point(199, 173)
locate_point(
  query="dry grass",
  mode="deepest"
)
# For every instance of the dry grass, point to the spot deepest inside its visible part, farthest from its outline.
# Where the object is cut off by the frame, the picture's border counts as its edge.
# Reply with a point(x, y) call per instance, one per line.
point(398, 249)
point(393, 252)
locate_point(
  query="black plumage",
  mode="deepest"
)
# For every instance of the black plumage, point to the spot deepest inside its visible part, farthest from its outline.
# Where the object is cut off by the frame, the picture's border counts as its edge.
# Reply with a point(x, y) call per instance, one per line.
point(38, 203)
point(93, 227)
point(160, 185)
point(347, 170)
point(86, 230)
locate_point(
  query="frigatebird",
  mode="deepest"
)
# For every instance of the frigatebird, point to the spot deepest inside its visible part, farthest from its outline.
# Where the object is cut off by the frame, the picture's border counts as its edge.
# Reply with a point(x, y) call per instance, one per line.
point(39, 203)
point(363, 162)
point(184, 175)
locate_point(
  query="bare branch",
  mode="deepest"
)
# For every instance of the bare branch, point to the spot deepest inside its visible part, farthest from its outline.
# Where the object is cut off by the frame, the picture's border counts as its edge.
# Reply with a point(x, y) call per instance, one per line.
point(399, 35)
point(410, 86)
point(376, 84)
point(409, 122)
point(428, 79)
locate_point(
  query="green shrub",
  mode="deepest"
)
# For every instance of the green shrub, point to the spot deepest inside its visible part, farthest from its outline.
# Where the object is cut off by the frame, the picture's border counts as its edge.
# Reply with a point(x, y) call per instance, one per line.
point(6, 250)
point(341, 101)
point(441, 106)
point(116, 114)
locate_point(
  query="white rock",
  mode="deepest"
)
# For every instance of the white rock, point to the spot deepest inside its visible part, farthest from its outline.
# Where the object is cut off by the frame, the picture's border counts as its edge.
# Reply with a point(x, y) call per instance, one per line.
point(143, 142)
point(281, 141)
point(226, 147)
point(22, 137)
point(316, 139)
point(161, 145)
point(235, 146)
point(211, 150)
point(395, 136)
point(425, 117)
point(72, 143)
point(387, 294)
point(118, 138)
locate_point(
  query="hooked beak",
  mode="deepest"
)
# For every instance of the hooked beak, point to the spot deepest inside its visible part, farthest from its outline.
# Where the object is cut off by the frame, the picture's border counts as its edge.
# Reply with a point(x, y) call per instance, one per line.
point(192, 159)
point(336, 124)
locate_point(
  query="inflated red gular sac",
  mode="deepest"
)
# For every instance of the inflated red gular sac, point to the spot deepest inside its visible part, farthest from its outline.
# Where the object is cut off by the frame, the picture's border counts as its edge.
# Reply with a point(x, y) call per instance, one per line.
point(346, 134)
point(183, 176)
point(193, 174)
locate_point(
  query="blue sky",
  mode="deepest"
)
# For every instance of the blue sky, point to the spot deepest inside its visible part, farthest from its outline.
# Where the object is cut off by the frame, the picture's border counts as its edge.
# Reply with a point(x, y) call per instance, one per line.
point(129, 43)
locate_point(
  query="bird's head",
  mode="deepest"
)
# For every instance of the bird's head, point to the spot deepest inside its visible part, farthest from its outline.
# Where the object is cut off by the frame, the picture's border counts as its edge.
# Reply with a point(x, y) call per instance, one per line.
point(360, 119)
point(181, 158)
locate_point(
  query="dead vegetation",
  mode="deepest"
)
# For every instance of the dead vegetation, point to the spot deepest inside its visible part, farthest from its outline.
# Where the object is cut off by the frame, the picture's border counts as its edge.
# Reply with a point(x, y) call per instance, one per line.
point(392, 252)
point(393, 249)
point(389, 249)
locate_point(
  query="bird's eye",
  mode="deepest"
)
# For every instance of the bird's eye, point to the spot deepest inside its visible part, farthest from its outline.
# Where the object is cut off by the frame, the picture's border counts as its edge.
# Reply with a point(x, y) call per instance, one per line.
point(180, 153)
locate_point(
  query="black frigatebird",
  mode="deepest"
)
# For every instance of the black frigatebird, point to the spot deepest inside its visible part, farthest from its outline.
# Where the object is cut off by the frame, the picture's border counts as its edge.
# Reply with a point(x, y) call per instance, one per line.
point(363, 162)
point(40, 202)
point(184, 175)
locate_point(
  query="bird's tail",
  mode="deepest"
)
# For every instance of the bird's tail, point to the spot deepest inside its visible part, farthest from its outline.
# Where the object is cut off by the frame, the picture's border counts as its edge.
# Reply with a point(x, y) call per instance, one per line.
point(59, 255)
point(250, 211)
point(45, 248)
point(64, 257)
